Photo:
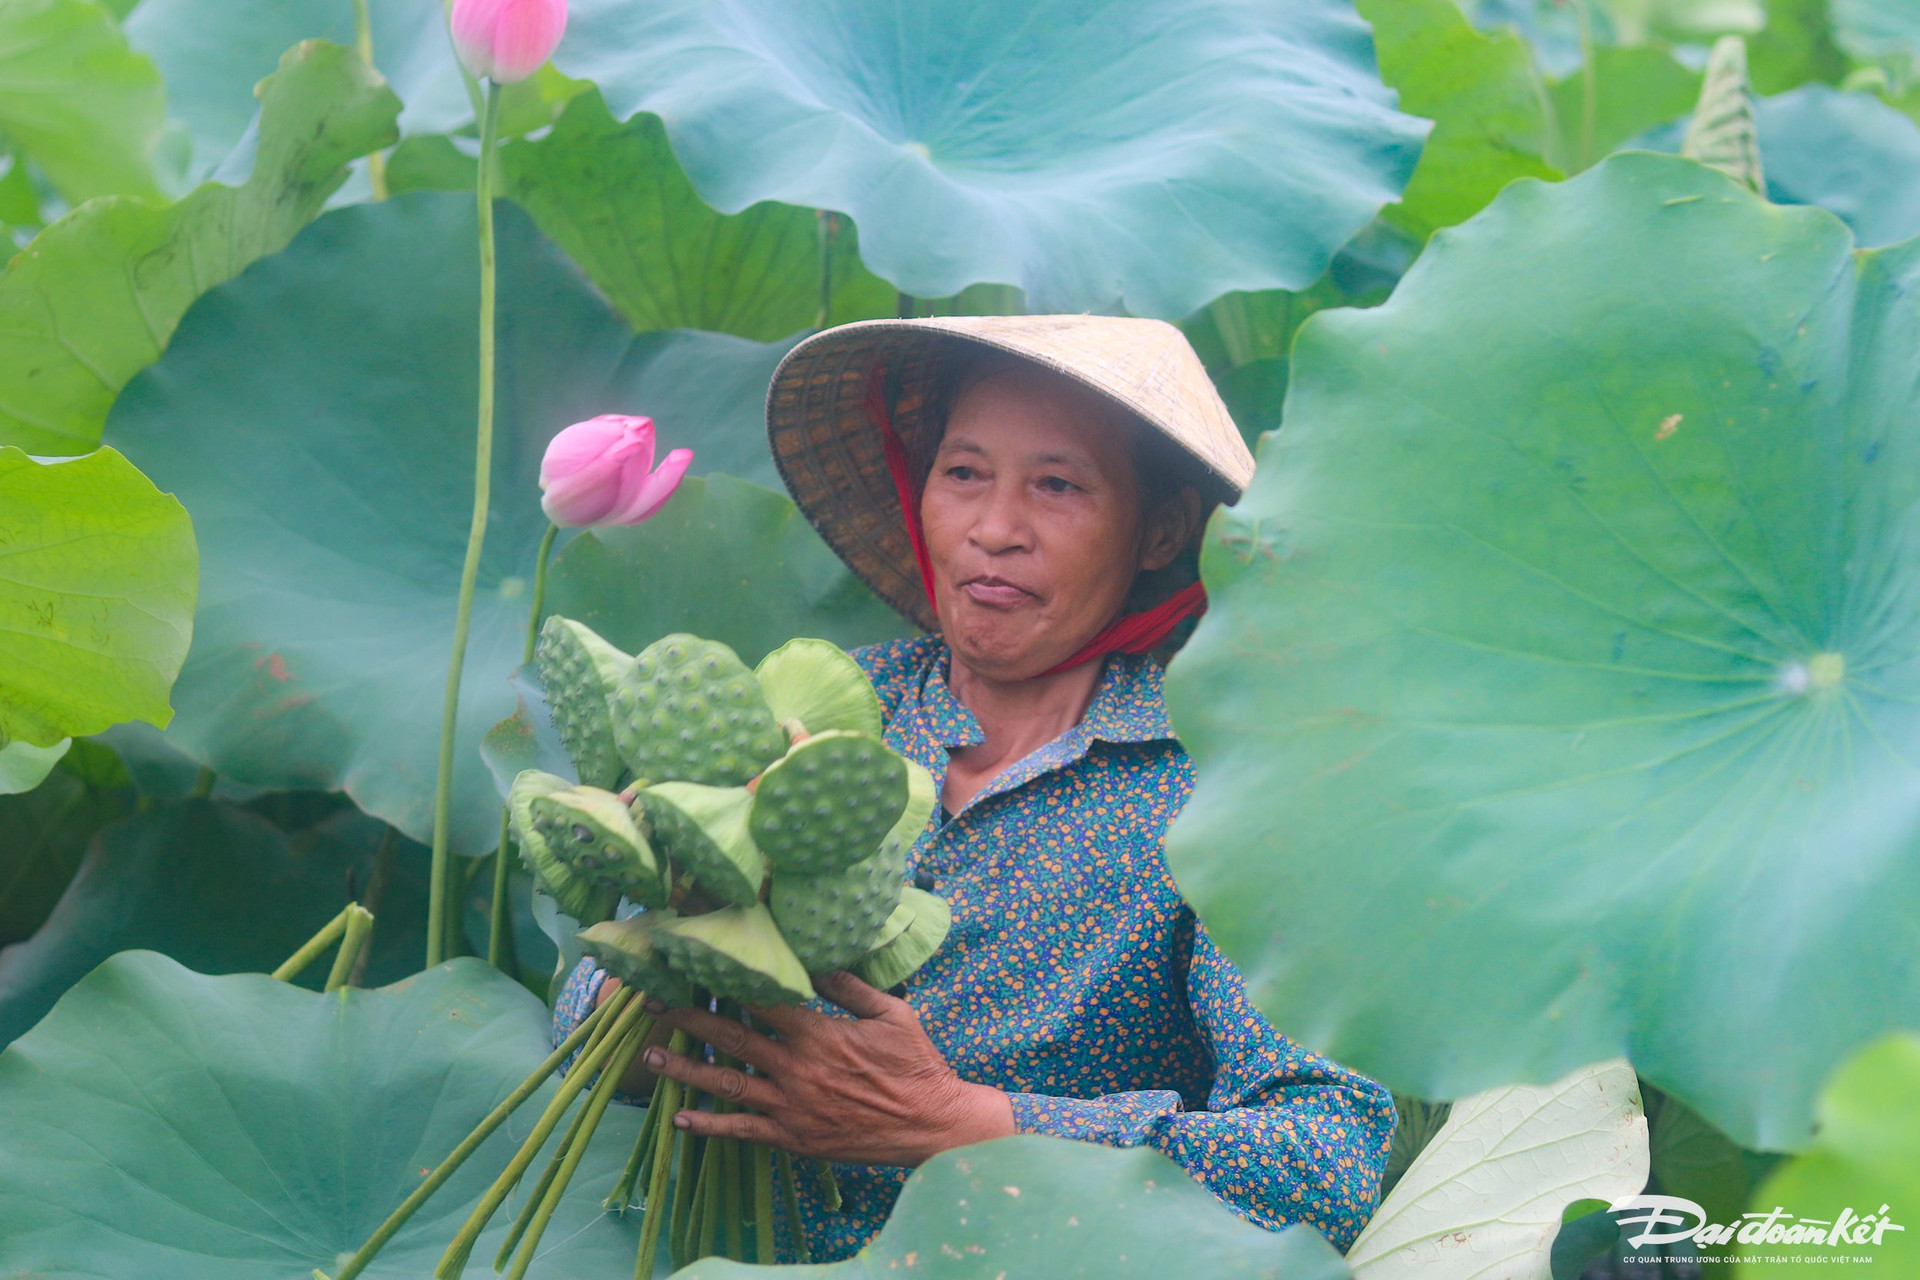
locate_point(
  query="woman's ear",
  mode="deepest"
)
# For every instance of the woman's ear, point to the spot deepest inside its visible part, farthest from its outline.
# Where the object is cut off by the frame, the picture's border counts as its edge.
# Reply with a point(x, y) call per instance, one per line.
point(1171, 529)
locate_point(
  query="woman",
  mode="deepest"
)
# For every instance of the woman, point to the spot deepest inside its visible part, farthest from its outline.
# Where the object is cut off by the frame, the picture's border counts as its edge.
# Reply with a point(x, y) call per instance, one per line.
point(1024, 488)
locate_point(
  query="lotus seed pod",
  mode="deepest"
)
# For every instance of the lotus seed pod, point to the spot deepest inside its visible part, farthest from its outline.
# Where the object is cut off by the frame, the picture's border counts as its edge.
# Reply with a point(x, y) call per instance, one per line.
point(830, 921)
point(704, 831)
point(580, 672)
point(737, 953)
point(627, 949)
point(828, 803)
point(575, 895)
point(815, 685)
point(688, 710)
point(917, 927)
point(922, 795)
point(594, 834)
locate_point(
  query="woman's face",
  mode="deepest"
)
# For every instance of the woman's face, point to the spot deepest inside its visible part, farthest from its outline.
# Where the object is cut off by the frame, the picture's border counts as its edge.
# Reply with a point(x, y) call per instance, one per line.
point(1033, 523)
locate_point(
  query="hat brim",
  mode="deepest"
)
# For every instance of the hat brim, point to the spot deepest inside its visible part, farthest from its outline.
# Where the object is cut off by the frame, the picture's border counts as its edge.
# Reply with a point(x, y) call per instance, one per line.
point(832, 455)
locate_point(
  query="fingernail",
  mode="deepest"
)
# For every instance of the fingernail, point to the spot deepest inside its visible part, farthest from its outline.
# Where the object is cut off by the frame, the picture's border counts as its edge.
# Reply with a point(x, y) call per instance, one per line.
point(655, 1005)
point(656, 1059)
point(680, 1120)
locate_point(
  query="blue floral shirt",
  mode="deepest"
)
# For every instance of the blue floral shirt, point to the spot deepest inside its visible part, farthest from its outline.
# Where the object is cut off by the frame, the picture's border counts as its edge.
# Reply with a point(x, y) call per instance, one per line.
point(1077, 980)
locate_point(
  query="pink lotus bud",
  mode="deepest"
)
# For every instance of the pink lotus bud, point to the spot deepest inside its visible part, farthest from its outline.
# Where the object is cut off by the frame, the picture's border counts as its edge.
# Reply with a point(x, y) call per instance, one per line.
point(507, 40)
point(601, 472)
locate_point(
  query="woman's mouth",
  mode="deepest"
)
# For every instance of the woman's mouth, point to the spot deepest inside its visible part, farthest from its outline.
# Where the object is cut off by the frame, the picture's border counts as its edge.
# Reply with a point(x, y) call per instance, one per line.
point(996, 593)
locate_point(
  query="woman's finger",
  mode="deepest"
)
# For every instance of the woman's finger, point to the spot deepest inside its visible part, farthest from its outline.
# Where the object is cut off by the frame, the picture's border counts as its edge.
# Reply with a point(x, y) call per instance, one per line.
point(730, 1083)
point(729, 1036)
point(734, 1124)
point(855, 996)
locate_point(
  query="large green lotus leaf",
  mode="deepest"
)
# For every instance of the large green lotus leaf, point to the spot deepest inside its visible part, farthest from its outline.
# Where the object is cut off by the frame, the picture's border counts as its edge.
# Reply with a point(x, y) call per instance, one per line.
point(725, 560)
point(316, 415)
point(97, 578)
point(1089, 151)
point(162, 1123)
point(1795, 46)
point(46, 834)
point(74, 97)
point(212, 53)
point(1485, 1197)
point(616, 200)
point(1558, 692)
point(95, 298)
point(1689, 1157)
point(214, 886)
point(1849, 153)
point(1866, 1157)
point(1038, 1208)
point(1635, 90)
point(23, 766)
point(1490, 122)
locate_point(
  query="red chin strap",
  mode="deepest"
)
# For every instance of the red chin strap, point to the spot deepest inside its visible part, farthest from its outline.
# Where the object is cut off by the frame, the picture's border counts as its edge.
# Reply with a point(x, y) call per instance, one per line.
point(1132, 633)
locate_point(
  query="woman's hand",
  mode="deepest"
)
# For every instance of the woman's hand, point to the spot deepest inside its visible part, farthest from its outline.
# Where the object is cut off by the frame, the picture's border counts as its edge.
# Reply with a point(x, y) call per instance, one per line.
point(866, 1090)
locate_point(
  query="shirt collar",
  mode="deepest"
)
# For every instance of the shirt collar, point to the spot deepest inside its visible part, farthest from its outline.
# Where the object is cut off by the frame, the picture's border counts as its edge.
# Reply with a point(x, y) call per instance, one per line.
point(1129, 705)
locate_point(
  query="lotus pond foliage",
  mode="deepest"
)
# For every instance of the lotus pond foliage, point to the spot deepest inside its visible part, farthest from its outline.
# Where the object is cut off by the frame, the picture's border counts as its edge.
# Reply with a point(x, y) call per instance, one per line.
point(393, 569)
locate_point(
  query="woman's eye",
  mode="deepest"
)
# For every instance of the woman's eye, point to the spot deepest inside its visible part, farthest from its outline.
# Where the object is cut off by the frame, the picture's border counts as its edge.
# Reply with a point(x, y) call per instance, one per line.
point(960, 471)
point(1057, 484)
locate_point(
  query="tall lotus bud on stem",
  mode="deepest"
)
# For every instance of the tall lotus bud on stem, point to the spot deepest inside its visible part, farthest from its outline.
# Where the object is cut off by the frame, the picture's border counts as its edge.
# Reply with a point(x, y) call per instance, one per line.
point(601, 472)
point(507, 40)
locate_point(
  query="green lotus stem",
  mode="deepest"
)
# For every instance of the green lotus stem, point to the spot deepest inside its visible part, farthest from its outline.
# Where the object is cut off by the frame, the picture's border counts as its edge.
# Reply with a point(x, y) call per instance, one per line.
point(359, 930)
point(640, 1164)
point(499, 922)
point(731, 1200)
point(712, 1169)
point(1588, 84)
point(790, 1190)
point(578, 1134)
point(363, 41)
point(294, 965)
point(764, 1247)
point(687, 1151)
point(657, 1209)
point(600, 1047)
point(829, 1185)
point(589, 1026)
point(596, 1107)
point(442, 869)
point(525, 1217)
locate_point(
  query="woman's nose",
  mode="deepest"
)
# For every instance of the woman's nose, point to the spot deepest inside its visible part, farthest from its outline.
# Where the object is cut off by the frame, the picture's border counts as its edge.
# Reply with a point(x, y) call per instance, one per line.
point(1002, 523)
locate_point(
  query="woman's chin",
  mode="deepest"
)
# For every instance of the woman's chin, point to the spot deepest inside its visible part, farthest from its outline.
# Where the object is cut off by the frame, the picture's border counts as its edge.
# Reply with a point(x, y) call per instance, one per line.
point(995, 646)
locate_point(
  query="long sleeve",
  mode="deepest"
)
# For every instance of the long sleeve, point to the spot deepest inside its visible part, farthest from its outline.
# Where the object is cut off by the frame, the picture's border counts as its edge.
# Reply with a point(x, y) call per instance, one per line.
point(576, 1000)
point(1287, 1135)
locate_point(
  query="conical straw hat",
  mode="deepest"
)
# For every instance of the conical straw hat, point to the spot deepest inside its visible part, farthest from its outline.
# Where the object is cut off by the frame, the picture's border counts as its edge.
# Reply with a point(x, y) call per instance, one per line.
point(831, 451)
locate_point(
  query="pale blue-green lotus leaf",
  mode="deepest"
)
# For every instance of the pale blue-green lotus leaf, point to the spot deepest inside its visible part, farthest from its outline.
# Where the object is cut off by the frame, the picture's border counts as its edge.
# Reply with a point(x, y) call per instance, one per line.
point(212, 52)
point(1848, 152)
point(1877, 30)
point(1092, 152)
point(210, 884)
point(316, 416)
point(162, 1123)
point(1039, 1208)
point(1561, 685)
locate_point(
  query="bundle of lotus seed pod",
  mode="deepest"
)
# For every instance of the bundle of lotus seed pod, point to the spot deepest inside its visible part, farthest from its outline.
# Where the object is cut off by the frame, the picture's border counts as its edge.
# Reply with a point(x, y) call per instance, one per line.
point(761, 826)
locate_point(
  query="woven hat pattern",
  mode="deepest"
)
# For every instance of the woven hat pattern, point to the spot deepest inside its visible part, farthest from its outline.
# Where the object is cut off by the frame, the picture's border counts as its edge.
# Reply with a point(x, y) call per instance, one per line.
point(833, 458)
